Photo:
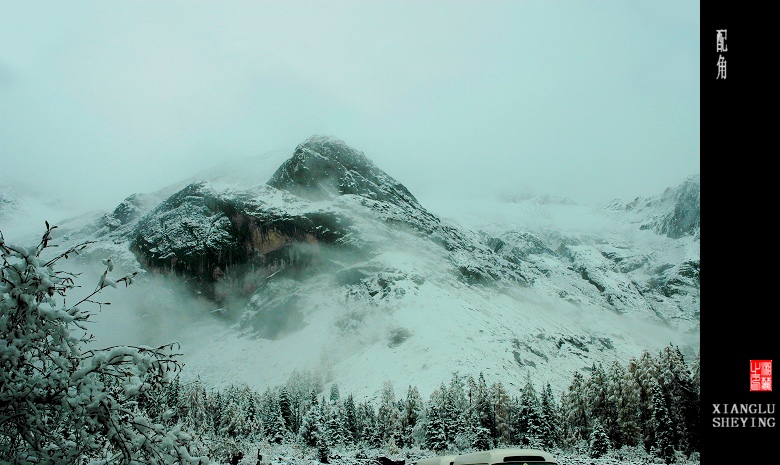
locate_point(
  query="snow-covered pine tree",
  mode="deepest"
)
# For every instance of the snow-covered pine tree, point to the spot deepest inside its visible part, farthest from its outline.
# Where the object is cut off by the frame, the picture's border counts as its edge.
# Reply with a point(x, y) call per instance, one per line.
point(574, 411)
point(695, 428)
point(285, 408)
point(254, 416)
point(613, 390)
point(502, 406)
point(663, 430)
point(351, 427)
point(483, 417)
point(412, 408)
point(677, 384)
point(60, 402)
point(598, 444)
point(370, 435)
point(628, 407)
point(214, 405)
point(323, 450)
point(195, 406)
point(334, 393)
point(645, 373)
point(420, 430)
point(233, 419)
point(454, 407)
point(550, 419)
point(596, 389)
point(300, 386)
point(388, 415)
point(696, 374)
point(335, 424)
point(279, 431)
point(528, 422)
point(311, 430)
point(436, 436)
point(268, 412)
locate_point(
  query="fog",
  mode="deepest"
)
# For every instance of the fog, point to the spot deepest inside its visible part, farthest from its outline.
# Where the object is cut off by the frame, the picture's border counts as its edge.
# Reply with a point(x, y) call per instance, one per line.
point(587, 100)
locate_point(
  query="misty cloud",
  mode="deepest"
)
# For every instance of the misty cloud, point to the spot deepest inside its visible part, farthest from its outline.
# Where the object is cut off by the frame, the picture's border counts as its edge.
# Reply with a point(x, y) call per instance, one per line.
point(592, 102)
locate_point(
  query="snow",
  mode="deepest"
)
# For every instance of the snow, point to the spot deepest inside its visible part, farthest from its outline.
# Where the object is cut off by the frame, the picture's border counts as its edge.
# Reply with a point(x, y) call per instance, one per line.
point(291, 454)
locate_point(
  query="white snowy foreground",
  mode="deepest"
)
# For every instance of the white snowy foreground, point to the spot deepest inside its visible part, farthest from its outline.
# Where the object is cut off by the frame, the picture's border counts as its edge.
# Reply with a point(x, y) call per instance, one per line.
point(292, 454)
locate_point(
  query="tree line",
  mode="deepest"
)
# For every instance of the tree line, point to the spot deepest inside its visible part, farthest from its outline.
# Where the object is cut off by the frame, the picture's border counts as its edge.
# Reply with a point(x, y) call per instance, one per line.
point(651, 403)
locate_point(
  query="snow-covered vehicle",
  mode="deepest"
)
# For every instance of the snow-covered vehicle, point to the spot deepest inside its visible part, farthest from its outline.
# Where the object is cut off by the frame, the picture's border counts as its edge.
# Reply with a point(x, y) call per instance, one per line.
point(439, 460)
point(506, 456)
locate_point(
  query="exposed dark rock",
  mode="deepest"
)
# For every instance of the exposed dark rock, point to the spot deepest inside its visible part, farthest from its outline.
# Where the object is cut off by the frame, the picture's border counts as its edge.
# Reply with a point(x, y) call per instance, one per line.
point(679, 210)
point(130, 209)
point(322, 166)
point(203, 234)
point(398, 336)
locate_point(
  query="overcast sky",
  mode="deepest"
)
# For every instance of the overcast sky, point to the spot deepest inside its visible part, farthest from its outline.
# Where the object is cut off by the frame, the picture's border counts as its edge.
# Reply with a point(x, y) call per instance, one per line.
point(593, 100)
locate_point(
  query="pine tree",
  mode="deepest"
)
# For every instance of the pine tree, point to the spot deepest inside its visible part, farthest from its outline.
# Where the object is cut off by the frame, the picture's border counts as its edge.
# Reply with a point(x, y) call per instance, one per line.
point(233, 421)
point(696, 374)
point(695, 422)
point(599, 442)
point(628, 407)
point(279, 431)
point(613, 390)
point(596, 391)
point(529, 424)
point(334, 393)
point(677, 384)
point(253, 414)
point(311, 431)
point(300, 386)
point(502, 406)
point(323, 451)
point(550, 424)
point(454, 405)
point(436, 435)
point(214, 407)
point(483, 417)
point(268, 412)
point(412, 406)
point(370, 435)
point(574, 411)
point(285, 408)
point(351, 425)
point(646, 374)
point(195, 406)
point(663, 446)
point(336, 434)
point(389, 416)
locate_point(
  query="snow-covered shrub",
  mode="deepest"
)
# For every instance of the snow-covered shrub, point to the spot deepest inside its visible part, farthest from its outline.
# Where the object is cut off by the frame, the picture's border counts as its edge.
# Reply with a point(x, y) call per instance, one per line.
point(59, 402)
point(630, 454)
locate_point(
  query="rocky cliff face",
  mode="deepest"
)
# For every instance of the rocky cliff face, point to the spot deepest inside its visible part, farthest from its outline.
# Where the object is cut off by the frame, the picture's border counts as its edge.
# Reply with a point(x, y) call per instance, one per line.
point(212, 236)
point(675, 213)
point(323, 166)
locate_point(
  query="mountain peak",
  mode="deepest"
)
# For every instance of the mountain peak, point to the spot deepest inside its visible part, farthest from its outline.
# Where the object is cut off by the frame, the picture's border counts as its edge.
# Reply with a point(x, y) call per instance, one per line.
point(676, 212)
point(323, 166)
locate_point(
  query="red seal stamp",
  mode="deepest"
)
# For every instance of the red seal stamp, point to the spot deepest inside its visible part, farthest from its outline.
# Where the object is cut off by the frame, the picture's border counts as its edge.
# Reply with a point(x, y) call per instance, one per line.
point(760, 375)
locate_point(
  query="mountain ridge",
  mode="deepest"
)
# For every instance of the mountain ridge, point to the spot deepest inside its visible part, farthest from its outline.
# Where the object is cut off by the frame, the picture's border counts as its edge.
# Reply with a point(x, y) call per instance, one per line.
point(333, 254)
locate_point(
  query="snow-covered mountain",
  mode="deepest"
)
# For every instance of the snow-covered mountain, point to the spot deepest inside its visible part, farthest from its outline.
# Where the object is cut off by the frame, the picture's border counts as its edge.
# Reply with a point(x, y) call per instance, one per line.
point(328, 263)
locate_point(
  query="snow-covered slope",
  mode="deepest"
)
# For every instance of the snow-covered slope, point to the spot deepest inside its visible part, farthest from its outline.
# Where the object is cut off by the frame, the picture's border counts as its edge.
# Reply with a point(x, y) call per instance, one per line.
point(330, 264)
